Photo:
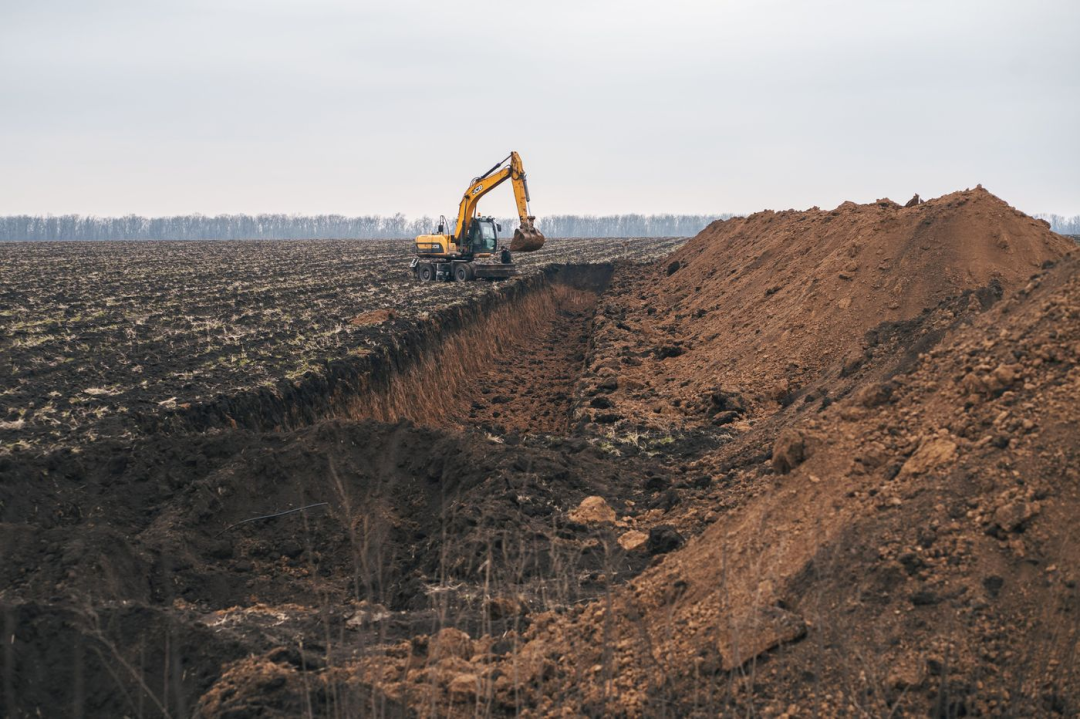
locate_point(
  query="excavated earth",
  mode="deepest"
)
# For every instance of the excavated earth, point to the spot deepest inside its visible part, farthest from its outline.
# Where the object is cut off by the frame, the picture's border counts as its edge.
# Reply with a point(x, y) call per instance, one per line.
point(820, 463)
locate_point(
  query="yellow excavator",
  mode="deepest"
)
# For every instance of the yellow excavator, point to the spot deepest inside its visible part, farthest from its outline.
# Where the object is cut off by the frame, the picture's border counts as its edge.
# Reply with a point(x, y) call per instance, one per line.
point(472, 250)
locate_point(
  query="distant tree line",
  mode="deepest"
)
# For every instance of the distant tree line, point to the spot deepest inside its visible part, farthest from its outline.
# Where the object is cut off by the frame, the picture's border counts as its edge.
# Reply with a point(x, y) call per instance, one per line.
point(1063, 225)
point(625, 225)
point(304, 227)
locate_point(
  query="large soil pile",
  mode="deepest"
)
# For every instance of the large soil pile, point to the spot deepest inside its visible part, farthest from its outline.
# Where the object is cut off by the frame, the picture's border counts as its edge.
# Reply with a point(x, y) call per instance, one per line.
point(767, 304)
point(910, 551)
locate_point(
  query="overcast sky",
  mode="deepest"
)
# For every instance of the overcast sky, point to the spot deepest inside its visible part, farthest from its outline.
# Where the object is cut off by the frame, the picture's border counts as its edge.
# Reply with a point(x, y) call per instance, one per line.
point(161, 107)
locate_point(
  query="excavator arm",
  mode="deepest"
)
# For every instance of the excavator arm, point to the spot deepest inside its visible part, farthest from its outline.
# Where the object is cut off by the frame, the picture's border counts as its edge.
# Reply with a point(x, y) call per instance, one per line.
point(526, 238)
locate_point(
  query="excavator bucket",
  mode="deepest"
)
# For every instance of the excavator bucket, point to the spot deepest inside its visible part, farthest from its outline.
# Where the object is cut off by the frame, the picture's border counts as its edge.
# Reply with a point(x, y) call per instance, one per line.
point(527, 239)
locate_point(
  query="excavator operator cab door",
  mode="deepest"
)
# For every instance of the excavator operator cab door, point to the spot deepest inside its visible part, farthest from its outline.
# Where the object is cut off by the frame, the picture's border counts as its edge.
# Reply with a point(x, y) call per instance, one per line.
point(482, 236)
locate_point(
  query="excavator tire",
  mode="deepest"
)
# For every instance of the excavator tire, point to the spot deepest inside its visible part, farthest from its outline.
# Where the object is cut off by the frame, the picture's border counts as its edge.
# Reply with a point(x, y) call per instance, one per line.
point(463, 272)
point(425, 272)
point(526, 241)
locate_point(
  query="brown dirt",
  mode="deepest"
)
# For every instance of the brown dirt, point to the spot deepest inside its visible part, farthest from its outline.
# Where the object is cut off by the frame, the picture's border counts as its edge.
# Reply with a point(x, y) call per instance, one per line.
point(866, 572)
point(529, 385)
point(921, 558)
point(731, 482)
point(373, 317)
point(766, 305)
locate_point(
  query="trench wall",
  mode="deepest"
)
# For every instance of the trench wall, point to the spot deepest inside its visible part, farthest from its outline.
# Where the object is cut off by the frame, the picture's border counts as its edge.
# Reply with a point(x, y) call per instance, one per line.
point(411, 376)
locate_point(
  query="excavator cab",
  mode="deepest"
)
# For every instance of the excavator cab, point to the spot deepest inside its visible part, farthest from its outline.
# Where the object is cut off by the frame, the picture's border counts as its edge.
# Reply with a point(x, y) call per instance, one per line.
point(483, 236)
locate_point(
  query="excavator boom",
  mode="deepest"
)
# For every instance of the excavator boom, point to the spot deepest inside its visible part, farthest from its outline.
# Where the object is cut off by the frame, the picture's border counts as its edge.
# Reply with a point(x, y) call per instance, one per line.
point(526, 238)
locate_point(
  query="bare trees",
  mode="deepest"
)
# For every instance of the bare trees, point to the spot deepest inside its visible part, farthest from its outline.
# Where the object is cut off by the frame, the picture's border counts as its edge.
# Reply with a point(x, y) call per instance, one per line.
point(313, 227)
point(1063, 225)
point(307, 227)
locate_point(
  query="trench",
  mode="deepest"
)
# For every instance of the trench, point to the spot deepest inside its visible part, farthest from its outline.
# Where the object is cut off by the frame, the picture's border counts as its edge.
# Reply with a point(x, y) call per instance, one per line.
point(507, 361)
point(437, 527)
point(513, 370)
point(407, 517)
point(510, 367)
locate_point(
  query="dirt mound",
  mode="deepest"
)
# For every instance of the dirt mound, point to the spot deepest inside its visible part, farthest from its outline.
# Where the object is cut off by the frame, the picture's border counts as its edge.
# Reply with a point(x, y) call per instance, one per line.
point(764, 305)
point(917, 556)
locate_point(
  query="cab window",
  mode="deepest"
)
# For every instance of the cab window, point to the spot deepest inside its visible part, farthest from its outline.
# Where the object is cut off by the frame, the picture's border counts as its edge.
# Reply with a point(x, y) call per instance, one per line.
point(483, 237)
point(487, 236)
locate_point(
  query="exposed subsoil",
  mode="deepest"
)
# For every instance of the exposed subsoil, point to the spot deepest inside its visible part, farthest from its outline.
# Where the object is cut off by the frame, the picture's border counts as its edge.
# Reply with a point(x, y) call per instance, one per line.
point(812, 464)
point(774, 304)
point(528, 386)
point(911, 550)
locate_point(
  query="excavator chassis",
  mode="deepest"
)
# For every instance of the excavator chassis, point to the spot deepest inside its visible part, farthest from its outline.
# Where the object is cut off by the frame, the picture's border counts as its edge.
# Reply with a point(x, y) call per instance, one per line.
point(433, 270)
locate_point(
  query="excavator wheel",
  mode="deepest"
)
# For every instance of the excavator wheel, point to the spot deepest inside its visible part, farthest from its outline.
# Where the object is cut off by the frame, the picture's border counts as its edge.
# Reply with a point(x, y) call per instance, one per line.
point(463, 272)
point(526, 240)
point(425, 272)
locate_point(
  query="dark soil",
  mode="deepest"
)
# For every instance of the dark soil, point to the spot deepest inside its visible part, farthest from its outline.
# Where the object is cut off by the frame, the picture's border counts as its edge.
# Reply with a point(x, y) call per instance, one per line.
point(136, 569)
point(98, 337)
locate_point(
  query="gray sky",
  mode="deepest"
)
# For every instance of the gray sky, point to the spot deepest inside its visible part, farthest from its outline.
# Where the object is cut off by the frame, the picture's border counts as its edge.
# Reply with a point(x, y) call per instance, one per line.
point(161, 107)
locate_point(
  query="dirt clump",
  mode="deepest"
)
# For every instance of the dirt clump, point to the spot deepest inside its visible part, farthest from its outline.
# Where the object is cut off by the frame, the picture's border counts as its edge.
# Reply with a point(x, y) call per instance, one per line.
point(633, 539)
point(592, 510)
point(372, 317)
point(789, 451)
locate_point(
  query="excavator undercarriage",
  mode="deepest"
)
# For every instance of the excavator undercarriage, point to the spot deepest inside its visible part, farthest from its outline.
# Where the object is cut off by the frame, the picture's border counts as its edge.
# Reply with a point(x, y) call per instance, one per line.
point(428, 270)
